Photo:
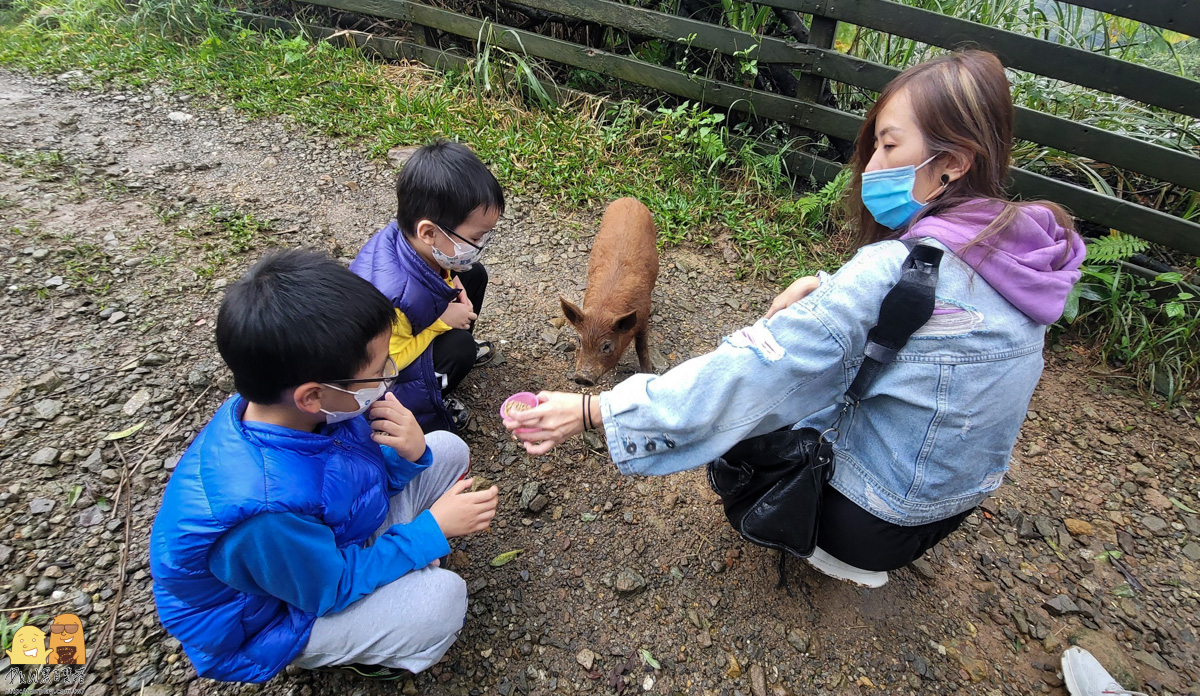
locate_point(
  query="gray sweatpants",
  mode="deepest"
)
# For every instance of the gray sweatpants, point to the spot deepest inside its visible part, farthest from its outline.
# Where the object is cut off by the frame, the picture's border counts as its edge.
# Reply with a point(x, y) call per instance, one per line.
point(410, 622)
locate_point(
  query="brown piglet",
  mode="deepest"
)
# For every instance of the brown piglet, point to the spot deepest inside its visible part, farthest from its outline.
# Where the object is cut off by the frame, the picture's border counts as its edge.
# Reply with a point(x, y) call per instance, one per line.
point(622, 270)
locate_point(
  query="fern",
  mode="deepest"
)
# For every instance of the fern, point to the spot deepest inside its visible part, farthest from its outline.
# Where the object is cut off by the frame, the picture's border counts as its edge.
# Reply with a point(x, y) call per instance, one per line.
point(1118, 246)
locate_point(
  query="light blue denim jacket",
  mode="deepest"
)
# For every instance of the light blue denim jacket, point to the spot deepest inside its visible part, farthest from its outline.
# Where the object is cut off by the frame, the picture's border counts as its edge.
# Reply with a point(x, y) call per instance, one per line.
point(930, 439)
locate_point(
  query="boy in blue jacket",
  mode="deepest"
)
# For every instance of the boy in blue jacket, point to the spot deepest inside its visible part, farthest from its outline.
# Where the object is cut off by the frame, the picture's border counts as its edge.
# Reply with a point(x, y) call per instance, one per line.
point(426, 262)
point(304, 523)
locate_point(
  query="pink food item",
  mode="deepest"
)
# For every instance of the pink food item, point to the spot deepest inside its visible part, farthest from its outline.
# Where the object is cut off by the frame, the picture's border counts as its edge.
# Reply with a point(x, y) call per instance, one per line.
point(521, 401)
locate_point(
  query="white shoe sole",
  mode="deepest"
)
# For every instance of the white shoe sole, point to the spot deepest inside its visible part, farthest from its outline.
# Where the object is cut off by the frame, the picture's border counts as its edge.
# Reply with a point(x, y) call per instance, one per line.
point(841, 571)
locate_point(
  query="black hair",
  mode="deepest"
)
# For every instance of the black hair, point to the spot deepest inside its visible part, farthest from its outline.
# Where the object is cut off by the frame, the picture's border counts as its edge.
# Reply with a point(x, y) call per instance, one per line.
point(298, 316)
point(444, 182)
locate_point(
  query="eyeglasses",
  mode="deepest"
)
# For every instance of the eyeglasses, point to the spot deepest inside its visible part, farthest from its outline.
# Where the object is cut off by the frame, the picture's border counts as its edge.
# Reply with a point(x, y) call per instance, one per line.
point(483, 240)
point(64, 628)
point(390, 373)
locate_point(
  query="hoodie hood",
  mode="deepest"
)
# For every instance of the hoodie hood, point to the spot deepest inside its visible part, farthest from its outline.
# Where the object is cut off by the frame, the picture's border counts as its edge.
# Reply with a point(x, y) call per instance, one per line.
point(1033, 264)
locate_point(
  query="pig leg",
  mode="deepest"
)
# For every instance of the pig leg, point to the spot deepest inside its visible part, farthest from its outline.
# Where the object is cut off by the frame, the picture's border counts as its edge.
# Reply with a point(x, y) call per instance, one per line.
point(641, 342)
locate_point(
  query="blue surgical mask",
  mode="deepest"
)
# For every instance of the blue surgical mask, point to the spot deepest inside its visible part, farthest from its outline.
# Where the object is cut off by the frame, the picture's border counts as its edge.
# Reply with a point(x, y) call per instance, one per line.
point(888, 195)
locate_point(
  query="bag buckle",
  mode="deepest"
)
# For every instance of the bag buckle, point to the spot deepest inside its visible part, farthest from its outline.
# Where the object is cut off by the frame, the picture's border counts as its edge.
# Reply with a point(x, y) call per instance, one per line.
point(836, 428)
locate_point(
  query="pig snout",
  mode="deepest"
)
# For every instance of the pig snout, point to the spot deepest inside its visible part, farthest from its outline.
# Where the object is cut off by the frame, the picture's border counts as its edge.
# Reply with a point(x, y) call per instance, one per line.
point(584, 380)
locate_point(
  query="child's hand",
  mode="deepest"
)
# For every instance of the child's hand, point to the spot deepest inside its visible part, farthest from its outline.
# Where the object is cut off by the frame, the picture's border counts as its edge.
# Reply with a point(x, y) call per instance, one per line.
point(459, 513)
point(462, 292)
point(459, 315)
point(394, 426)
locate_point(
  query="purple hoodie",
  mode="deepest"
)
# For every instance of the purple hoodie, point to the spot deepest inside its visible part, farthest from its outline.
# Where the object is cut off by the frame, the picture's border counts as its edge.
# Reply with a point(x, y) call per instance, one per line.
point(1033, 264)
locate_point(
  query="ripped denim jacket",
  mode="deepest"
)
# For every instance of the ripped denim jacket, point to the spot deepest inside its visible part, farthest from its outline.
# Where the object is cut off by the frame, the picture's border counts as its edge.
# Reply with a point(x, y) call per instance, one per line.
point(930, 439)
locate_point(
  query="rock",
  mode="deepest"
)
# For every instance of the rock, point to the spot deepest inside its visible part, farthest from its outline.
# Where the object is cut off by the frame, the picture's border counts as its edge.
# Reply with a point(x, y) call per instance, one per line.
point(550, 336)
point(46, 456)
point(117, 317)
point(1060, 606)
point(1150, 661)
point(156, 690)
point(1108, 439)
point(40, 505)
point(1155, 499)
point(921, 567)
point(758, 680)
point(179, 117)
point(735, 670)
point(44, 586)
point(110, 476)
point(1045, 527)
point(539, 503)
point(197, 378)
point(5, 552)
point(1109, 653)
point(798, 640)
point(52, 572)
point(268, 162)
point(47, 409)
point(586, 658)
point(136, 402)
point(629, 582)
point(397, 156)
point(53, 282)
point(48, 382)
point(1156, 525)
point(1079, 527)
point(19, 582)
point(528, 492)
point(1025, 528)
point(1191, 551)
point(155, 359)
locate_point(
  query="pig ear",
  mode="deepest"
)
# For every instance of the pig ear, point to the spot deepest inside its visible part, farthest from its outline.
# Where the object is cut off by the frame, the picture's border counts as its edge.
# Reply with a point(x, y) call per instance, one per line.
point(625, 322)
point(571, 312)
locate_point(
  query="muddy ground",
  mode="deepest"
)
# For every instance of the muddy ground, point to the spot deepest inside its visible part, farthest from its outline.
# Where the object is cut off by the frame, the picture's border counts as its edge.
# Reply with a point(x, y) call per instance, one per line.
point(125, 213)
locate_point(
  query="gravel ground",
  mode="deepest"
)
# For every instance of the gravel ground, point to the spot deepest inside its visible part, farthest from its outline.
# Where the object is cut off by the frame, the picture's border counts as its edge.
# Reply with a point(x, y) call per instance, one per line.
point(125, 213)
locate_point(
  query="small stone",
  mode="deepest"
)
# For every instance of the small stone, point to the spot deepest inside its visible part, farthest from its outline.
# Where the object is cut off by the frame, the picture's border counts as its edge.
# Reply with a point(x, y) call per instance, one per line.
point(1060, 606)
point(1079, 527)
point(586, 658)
point(53, 282)
point(19, 583)
point(117, 317)
point(47, 409)
point(5, 553)
point(52, 572)
point(136, 402)
point(799, 640)
point(197, 378)
point(48, 382)
point(1156, 499)
point(41, 505)
point(758, 680)
point(1045, 527)
point(155, 359)
point(629, 582)
point(110, 476)
point(179, 117)
point(1192, 552)
point(1156, 525)
point(44, 586)
point(528, 492)
point(268, 162)
point(105, 561)
point(922, 568)
point(550, 336)
point(539, 503)
point(46, 456)
point(397, 156)
point(1109, 439)
point(735, 670)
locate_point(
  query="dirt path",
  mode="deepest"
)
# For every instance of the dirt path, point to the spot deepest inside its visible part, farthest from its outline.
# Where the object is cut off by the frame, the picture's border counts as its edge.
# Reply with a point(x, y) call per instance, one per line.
point(124, 213)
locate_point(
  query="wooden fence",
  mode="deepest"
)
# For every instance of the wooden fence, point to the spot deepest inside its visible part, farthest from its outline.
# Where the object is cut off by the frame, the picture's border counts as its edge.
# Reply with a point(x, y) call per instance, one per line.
point(817, 61)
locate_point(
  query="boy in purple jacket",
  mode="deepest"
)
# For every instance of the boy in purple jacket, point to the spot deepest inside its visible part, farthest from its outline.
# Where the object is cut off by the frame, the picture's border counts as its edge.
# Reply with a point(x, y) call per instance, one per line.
point(426, 262)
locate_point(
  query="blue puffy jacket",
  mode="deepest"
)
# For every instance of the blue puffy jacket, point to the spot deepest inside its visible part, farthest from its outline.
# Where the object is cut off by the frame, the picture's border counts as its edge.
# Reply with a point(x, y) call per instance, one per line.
point(228, 474)
point(422, 295)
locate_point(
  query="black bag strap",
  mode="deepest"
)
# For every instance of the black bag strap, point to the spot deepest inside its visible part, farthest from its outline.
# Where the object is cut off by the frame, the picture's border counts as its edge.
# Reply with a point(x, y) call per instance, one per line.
point(905, 308)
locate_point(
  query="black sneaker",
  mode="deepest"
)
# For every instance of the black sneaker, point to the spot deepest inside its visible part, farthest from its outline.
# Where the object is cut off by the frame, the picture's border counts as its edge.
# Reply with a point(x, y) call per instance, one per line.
point(458, 412)
point(375, 672)
point(484, 352)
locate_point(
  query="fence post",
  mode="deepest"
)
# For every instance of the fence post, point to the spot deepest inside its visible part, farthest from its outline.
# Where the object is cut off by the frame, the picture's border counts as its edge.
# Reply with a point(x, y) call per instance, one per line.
point(821, 34)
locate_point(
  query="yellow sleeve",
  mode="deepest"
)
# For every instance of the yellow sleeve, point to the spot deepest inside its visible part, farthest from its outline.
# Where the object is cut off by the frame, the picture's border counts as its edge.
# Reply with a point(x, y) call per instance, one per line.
point(406, 348)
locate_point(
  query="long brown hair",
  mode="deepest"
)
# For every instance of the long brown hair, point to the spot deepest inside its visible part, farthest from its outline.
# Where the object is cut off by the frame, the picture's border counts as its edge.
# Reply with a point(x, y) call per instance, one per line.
point(963, 107)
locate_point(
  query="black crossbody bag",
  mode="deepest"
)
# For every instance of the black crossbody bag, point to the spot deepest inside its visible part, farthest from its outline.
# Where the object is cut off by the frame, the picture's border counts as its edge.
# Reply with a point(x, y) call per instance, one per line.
point(771, 485)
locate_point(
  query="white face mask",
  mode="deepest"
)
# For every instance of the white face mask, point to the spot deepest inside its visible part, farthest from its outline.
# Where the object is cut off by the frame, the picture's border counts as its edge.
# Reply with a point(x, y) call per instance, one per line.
point(465, 255)
point(365, 397)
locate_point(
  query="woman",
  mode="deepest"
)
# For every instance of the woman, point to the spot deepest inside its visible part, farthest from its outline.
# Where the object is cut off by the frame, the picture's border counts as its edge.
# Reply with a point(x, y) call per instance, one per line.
point(932, 437)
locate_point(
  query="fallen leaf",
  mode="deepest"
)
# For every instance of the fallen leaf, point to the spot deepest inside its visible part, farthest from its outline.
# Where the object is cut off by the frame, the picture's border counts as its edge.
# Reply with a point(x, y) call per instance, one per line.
point(1181, 506)
point(649, 659)
point(120, 435)
point(505, 557)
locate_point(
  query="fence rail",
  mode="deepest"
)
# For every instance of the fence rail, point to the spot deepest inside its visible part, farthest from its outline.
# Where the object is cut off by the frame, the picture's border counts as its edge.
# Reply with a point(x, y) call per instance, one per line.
point(817, 62)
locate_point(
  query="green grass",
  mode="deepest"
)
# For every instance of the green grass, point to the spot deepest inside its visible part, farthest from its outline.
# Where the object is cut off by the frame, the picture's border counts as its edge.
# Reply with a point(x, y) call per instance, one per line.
point(573, 155)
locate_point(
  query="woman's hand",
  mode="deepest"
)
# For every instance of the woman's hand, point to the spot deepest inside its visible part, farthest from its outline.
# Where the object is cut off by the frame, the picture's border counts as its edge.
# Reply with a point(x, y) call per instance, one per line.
point(557, 416)
point(795, 292)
